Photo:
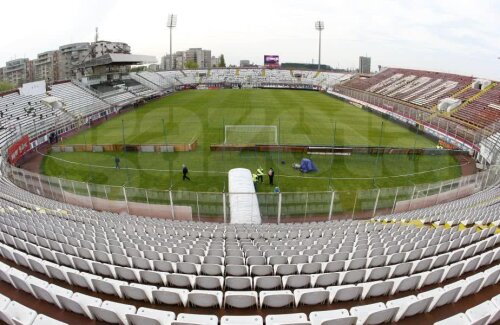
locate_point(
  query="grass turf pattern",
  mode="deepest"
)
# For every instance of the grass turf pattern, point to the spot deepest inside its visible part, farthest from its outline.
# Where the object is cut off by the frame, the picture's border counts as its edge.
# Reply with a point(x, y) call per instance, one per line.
point(303, 117)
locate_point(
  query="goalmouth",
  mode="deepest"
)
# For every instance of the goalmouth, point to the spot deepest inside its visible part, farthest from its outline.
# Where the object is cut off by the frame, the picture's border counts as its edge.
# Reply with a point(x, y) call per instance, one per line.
point(250, 134)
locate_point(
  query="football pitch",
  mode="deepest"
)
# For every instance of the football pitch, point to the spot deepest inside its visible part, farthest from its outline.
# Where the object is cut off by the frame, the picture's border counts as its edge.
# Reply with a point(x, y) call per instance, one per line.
point(299, 117)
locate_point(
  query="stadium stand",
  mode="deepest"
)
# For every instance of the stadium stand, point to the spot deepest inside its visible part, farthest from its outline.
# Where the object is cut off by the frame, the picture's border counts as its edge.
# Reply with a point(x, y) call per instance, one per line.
point(73, 258)
point(483, 110)
point(61, 263)
point(422, 88)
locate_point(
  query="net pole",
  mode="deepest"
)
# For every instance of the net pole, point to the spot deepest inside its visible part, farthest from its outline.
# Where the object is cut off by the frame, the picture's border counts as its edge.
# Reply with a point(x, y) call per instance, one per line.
point(279, 152)
point(89, 175)
point(125, 151)
point(414, 148)
point(166, 152)
point(164, 131)
point(332, 157)
point(224, 145)
point(379, 146)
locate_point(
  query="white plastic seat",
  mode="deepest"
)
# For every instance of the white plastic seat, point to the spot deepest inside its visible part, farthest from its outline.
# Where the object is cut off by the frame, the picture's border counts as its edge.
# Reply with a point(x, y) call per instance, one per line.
point(197, 319)
point(285, 269)
point(261, 270)
point(57, 272)
point(276, 299)
point(18, 279)
point(238, 283)
point(205, 298)
point(431, 277)
point(467, 287)
point(36, 264)
point(267, 282)
point(313, 296)
point(352, 277)
point(333, 266)
point(46, 320)
point(240, 299)
point(105, 270)
point(181, 280)
point(112, 312)
point(4, 301)
point(376, 289)
point(212, 269)
point(409, 306)
point(491, 276)
point(236, 270)
point(109, 286)
point(296, 281)
point(401, 269)
point(374, 313)
point(15, 313)
point(25, 284)
point(295, 319)
point(440, 296)
point(82, 279)
point(208, 282)
point(461, 319)
point(452, 271)
point(325, 279)
point(241, 320)
point(483, 313)
point(78, 303)
point(149, 316)
point(50, 293)
point(188, 268)
point(310, 268)
point(378, 273)
point(346, 292)
point(138, 291)
point(153, 277)
point(331, 317)
point(171, 296)
point(406, 283)
point(127, 274)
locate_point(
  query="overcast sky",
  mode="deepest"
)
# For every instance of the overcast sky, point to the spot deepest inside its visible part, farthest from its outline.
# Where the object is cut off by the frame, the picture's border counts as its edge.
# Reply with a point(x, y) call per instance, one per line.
point(461, 36)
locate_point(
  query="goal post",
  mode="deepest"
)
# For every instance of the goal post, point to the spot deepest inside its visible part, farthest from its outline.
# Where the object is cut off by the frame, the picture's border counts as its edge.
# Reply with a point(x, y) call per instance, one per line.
point(250, 134)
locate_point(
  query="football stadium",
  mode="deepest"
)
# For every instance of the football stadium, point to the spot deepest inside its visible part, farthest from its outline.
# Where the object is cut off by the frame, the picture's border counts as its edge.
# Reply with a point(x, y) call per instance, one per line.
point(186, 190)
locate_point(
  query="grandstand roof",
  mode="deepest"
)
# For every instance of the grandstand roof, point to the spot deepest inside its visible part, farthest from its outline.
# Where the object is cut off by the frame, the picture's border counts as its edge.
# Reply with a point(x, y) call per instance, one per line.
point(118, 59)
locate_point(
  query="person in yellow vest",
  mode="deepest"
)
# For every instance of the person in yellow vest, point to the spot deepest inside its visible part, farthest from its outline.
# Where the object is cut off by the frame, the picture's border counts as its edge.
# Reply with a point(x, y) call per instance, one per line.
point(260, 174)
point(254, 178)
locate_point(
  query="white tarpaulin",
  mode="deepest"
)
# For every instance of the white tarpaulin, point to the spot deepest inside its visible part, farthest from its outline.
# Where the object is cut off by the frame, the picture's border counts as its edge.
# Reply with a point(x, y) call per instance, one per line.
point(243, 202)
point(33, 88)
point(53, 102)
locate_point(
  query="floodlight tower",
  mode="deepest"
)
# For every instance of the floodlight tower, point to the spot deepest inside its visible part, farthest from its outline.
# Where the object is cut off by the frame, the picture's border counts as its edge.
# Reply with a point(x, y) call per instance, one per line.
point(171, 23)
point(320, 25)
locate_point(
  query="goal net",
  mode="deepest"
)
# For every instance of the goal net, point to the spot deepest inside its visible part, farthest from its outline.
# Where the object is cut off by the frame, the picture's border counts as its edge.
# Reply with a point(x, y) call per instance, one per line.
point(250, 134)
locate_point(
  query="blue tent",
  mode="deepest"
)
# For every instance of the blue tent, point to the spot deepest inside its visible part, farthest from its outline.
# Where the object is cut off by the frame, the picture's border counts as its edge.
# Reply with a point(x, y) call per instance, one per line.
point(306, 165)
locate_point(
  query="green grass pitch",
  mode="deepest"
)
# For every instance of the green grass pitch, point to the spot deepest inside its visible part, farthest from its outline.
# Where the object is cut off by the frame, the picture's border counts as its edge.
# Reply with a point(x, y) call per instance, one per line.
point(302, 117)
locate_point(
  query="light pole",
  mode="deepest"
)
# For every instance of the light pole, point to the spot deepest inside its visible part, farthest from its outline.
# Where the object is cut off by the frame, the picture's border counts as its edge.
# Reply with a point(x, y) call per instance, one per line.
point(171, 23)
point(320, 25)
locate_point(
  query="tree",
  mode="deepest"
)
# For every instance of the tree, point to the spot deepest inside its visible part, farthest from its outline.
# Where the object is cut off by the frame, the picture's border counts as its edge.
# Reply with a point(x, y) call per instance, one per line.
point(4, 86)
point(138, 68)
point(222, 62)
point(191, 64)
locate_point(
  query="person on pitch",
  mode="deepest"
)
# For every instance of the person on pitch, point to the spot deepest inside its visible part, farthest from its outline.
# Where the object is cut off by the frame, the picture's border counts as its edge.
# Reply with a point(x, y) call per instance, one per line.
point(270, 173)
point(260, 174)
point(255, 180)
point(117, 162)
point(185, 171)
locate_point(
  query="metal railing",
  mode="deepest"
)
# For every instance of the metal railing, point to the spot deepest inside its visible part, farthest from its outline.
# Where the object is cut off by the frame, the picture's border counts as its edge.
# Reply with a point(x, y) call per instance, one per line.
point(274, 207)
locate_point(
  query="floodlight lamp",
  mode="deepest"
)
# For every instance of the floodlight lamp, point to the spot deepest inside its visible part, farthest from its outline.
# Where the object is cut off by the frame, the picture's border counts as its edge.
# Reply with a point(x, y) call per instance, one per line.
point(320, 25)
point(172, 21)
